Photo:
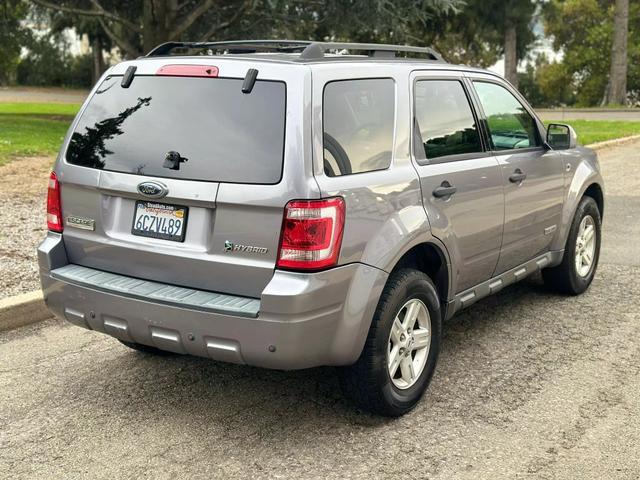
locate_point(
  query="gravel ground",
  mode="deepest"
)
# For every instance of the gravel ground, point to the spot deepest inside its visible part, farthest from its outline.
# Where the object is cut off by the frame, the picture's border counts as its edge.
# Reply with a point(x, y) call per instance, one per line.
point(530, 385)
point(23, 223)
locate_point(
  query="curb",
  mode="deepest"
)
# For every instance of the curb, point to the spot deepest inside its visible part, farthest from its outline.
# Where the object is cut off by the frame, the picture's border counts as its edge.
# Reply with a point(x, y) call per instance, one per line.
point(612, 143)
point(21, 310)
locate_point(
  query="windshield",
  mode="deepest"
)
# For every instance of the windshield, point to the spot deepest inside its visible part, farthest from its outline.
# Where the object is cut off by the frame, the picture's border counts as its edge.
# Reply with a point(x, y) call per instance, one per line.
point(184, 127)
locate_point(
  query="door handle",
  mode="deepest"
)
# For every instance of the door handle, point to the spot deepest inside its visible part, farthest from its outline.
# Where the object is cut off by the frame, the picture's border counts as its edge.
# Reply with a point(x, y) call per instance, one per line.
point(517, 176)
point(444, 190)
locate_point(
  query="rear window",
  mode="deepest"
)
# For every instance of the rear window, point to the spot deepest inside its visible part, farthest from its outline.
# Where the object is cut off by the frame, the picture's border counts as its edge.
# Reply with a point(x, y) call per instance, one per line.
point(358, 118)
point(183, 127)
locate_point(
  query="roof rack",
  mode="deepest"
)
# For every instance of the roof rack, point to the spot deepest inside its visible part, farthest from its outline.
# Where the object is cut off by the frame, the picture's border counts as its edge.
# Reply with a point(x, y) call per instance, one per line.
point(317, 50)
point(308, 50)
point(235, 46)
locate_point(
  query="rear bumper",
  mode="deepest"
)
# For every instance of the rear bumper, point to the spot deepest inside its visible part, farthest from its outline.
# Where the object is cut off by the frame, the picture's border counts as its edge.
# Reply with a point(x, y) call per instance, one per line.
point(303, 320)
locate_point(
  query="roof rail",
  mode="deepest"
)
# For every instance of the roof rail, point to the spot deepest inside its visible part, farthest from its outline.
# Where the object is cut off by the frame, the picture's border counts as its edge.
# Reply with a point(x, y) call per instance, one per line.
point(234, 46)
point(318, 49)
point(308, 50)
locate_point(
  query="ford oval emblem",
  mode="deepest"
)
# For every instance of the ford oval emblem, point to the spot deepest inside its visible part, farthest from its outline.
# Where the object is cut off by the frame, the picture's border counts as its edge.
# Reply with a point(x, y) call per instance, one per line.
point(153, 189)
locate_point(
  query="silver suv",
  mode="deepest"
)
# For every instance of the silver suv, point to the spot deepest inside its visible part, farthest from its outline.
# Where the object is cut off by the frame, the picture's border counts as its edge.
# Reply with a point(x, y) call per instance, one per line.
point(292, 204)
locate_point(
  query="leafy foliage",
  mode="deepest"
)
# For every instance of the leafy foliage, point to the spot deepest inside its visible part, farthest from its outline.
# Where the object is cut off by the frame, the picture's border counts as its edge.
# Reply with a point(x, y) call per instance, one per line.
point(12, 36)
point(135, 27)
point(544, 84)
point(583, 31)
point(49, 63)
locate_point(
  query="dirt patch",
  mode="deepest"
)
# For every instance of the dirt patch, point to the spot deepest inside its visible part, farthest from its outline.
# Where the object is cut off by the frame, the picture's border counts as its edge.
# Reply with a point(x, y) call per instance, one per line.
point(23, 222)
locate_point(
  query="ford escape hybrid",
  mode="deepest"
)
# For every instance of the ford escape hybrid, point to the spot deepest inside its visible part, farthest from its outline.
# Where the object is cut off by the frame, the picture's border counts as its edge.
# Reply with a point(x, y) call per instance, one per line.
point(292, 204)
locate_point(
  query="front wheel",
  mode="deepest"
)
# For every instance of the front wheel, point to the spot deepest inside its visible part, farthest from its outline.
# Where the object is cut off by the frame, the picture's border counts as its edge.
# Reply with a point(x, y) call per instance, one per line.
point(401, 350)
point(582, 251)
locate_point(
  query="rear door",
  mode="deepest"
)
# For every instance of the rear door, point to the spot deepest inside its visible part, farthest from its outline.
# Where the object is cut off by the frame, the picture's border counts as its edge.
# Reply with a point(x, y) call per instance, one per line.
point(182, 178)
point(533, 175)
point(461, 180)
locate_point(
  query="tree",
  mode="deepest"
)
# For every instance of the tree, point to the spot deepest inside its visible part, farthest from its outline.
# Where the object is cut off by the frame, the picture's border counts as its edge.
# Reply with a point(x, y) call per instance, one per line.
point(98, 39)
point(583, 30)
point(483, 30)
point(514, 21)
point(12, 36)
point(47, 61)
point(136, 27)
point(616, 91)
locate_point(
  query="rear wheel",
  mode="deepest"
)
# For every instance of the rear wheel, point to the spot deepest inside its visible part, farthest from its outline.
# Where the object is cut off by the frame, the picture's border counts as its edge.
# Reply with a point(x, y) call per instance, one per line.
point(401, 350)
point(145, 348)
point(582, 251)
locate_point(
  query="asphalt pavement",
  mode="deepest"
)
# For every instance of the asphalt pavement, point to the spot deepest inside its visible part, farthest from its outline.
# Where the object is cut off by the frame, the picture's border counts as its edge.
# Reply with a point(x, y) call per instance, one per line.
point(529, 385)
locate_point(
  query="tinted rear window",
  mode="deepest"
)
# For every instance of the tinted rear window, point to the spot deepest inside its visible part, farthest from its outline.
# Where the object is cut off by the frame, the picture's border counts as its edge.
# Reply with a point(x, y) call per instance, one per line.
point(217, 132)
point(358, 117)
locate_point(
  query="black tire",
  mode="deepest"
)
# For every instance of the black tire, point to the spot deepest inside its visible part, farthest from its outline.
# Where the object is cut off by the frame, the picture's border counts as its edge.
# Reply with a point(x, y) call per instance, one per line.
point(368, 382)
point(565, 278)
point(139, 347)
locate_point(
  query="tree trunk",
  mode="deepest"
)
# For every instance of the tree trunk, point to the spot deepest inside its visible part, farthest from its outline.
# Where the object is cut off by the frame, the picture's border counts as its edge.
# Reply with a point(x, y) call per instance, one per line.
point(98, 59)
point(155, 24)
point(616, 91)
point(510, 55)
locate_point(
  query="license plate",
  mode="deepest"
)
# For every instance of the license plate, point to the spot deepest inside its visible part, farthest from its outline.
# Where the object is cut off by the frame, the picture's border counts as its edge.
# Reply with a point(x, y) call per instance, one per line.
point(159, 220)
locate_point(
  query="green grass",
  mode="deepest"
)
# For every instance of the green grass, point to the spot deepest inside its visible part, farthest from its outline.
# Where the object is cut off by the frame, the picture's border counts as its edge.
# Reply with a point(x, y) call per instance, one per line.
point(592, 131)
point(63, 109)
point(30, 129)
point(23, 136)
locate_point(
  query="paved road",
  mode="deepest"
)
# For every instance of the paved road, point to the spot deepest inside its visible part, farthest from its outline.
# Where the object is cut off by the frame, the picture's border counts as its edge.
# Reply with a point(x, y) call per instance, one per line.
point(529, 385)
point(629, 114)
point(38, 94)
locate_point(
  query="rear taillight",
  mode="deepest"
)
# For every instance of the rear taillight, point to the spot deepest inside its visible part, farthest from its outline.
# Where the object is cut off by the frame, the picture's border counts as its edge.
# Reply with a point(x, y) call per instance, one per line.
point(54, 207)
point(311, 234)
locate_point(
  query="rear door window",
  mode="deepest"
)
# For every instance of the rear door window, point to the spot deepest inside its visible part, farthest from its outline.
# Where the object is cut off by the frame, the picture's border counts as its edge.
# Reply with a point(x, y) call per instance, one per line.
point(510, 125)
point(184, 127)
point(444, 119)
point(358, 120)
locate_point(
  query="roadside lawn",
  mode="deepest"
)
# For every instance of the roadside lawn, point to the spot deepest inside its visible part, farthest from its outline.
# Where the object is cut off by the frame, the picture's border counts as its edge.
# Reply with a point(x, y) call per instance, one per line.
point(32, 129)
point(592, 131)
point(35, 129)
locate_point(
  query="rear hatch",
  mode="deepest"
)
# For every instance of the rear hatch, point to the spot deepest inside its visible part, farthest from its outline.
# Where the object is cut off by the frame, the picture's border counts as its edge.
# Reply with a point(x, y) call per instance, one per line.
point(178, 178)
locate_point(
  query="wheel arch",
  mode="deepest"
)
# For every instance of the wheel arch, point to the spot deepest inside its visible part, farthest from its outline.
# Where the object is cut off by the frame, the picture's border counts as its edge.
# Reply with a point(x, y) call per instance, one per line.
point(595, 191)
point(586, 181)
point(432, 259)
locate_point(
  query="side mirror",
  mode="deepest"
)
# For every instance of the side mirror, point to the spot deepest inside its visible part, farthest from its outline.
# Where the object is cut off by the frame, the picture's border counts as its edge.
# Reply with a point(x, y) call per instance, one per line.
point(561, 137)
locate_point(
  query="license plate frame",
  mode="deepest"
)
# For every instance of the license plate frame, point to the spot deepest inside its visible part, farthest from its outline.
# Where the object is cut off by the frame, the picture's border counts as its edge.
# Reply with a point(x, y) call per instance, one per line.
point(177, 237)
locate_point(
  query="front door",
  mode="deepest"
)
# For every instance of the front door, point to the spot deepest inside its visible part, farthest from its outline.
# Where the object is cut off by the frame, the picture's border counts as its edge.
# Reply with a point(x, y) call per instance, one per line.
point(461, 180)
point(533, 175)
